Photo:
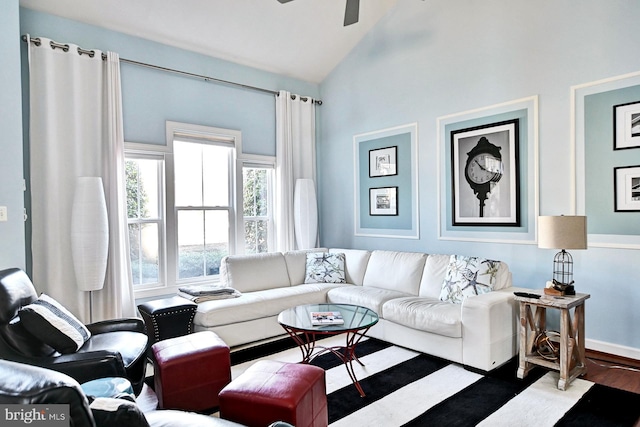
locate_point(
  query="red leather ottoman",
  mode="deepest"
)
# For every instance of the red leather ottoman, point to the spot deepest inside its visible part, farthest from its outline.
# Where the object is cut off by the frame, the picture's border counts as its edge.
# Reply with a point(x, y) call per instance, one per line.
point(190, 371)
point(270, 391)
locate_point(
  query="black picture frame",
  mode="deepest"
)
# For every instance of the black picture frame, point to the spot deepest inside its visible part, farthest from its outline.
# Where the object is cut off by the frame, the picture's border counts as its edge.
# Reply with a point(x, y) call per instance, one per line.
point(626, 189)
point(383, 201)
point(626, 126)
point(492, 199)
point(383, 162)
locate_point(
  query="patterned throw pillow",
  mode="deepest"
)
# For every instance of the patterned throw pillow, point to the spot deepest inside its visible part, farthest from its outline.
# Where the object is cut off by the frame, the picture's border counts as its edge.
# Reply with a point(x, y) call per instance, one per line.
point(323, 267)
point(54, 325)
point(468, 276)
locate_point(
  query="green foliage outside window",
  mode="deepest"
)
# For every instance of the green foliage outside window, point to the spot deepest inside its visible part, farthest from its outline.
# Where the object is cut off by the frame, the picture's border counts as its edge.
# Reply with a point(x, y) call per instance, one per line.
point(255, 205)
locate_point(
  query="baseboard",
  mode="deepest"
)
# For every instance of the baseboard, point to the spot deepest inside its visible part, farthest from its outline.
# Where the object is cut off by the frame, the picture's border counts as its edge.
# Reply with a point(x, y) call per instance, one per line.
point(614, 349)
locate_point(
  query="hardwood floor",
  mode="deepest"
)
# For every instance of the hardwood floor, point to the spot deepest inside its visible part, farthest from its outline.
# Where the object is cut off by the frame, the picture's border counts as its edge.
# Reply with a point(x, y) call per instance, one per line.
point(614, 371)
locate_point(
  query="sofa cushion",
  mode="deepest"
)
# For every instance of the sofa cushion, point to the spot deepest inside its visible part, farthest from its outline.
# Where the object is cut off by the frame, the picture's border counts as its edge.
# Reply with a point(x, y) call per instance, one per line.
point(364, 296)
point(436, 267)
point(395, 271)
point(260, 304)
point(434, 270)
point(468, 276)
point(297, 264)
point(47, 320)
point(256, 272)
point(325, 268)
point(355, 265)
point(425, 314)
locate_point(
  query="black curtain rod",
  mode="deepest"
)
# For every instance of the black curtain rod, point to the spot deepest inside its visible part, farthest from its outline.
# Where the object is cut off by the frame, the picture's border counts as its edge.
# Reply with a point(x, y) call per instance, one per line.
point(91, 53)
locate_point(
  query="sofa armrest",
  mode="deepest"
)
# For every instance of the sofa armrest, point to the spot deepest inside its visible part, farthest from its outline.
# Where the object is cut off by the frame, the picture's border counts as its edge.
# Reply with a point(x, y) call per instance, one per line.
point(489, 329)
point(87, 366)
point(132, 324)
point(26, 384)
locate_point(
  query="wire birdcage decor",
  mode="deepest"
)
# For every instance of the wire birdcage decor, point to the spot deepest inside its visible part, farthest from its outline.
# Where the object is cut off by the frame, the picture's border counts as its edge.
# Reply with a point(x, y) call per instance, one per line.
point(562, 232)
point(563, 268)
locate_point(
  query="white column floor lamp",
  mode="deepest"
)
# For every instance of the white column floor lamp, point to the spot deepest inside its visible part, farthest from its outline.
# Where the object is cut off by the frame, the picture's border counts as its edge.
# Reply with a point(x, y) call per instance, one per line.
point(89, 236)
point(305, 213)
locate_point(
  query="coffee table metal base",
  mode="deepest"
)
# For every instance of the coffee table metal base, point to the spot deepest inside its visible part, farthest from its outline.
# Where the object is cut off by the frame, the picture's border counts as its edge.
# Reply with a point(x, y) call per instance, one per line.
point(306, 341)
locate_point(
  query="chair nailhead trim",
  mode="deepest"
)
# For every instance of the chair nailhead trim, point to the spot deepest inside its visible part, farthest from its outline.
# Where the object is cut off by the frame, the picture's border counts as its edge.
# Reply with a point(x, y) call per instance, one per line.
point(156, 331)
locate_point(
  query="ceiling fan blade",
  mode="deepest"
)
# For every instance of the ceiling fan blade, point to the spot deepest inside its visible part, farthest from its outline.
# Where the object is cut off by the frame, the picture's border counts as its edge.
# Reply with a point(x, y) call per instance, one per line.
point(284, 1)
point(351, 12)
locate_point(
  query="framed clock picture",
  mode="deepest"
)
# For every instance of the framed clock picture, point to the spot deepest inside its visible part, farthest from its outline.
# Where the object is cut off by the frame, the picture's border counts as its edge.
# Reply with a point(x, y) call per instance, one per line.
point(485, 175)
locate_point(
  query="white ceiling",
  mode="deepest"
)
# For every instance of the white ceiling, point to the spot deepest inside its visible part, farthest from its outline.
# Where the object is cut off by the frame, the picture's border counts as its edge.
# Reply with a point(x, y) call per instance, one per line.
point(304, 39)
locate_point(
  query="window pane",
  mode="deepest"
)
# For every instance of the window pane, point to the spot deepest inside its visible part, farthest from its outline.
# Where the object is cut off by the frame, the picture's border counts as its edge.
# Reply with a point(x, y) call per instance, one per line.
point(201, 174)
point(203, 240)
point(144, 245)
point(216, 175)
point(256, 236)
point(188, 173)
point(255, 196)
point(142, 188)
point(256, 210)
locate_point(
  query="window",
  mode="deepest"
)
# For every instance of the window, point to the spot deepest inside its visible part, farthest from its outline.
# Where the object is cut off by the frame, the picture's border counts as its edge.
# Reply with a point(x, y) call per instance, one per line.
point(203, 206)
point(144, 178)
point(191, 202)
point(257, 208)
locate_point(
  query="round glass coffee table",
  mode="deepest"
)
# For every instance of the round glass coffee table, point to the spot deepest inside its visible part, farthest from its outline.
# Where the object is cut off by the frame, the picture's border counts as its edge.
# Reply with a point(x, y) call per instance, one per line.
point(355, 322)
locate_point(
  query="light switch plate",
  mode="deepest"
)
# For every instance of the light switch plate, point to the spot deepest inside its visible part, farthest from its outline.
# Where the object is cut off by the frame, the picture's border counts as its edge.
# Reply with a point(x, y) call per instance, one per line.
point(3, 213)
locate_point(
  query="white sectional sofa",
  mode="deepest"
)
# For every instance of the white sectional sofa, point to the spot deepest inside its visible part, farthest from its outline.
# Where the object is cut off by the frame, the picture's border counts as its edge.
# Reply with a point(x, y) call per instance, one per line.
point(402, 287)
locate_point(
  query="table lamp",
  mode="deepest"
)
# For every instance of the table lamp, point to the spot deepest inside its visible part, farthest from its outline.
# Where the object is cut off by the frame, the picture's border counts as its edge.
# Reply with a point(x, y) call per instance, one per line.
point(562, 232)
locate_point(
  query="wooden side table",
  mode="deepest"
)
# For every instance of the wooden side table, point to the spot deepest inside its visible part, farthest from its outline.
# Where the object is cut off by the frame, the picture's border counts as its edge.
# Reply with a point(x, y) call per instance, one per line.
point(533, 312)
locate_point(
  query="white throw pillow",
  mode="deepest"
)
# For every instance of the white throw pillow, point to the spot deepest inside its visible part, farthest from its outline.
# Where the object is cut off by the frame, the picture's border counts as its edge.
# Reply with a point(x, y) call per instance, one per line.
point(325, 267)
point(467, 276)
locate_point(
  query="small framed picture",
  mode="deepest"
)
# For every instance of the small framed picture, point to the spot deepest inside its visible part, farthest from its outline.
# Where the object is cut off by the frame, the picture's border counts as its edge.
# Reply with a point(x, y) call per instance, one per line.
point(626, 126)
point(383, 201)
point(382, 162)
point(626, 188)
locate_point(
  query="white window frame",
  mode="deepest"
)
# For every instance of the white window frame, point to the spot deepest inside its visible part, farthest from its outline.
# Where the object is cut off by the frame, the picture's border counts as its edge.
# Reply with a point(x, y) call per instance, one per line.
point(201, 134)
point(137, 154)
point(256, 161)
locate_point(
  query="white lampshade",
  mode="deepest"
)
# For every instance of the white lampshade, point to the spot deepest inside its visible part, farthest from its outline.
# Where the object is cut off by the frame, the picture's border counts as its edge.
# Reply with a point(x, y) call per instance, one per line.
point(89, 233)
point(562, 232)
point(305, 213)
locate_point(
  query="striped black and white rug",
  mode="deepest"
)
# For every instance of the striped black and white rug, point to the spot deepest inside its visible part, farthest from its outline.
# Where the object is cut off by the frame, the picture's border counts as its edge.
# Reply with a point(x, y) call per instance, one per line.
point(406, 388)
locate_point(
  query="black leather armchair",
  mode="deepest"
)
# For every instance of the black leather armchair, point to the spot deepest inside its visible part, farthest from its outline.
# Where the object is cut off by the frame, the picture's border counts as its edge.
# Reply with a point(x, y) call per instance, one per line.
point(117, 348)
point(32, 385)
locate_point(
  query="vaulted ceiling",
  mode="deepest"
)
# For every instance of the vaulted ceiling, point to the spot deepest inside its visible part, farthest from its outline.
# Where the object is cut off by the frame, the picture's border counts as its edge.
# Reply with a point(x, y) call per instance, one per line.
point(304, 39)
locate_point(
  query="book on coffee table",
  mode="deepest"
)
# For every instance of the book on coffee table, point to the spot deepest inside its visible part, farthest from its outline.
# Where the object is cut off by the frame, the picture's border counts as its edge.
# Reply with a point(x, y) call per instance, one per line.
point(326, 318)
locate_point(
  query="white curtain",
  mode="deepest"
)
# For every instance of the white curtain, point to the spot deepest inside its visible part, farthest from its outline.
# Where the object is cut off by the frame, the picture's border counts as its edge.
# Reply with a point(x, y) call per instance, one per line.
point(76, 130)
point(295, 158)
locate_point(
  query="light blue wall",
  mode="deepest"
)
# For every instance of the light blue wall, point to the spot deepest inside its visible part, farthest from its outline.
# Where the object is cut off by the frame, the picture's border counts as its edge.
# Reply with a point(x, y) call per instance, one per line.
point(150, 96)
point(12, 247)
point(600, 161)
point(429, 59)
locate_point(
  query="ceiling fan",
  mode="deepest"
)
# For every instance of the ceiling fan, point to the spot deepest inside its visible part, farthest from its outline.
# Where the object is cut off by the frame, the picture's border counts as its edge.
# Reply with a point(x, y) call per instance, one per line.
point(350, 13)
